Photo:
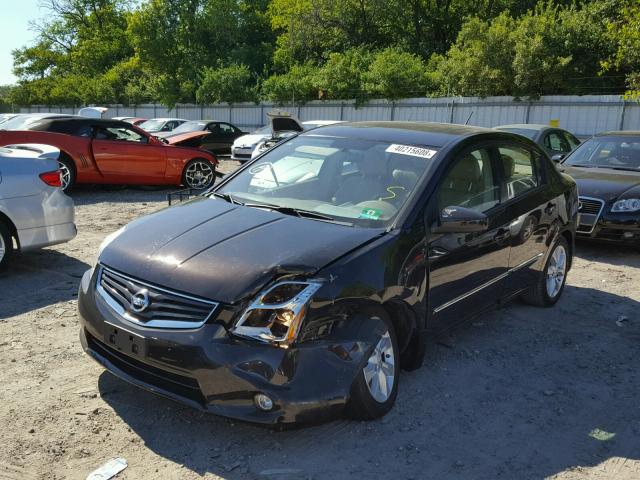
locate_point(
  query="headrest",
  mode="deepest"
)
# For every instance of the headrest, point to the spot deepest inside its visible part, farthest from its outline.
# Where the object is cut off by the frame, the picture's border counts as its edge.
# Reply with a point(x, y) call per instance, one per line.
point(373, 163)
point(405, 178)
point(466, 169)
point(508, 164)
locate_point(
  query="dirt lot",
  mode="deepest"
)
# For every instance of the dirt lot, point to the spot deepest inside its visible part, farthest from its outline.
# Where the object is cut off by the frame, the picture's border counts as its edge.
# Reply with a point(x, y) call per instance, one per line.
point(520, 393)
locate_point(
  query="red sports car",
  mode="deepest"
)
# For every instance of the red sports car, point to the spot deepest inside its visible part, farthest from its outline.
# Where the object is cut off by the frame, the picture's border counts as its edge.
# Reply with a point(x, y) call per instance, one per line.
point(116, 152)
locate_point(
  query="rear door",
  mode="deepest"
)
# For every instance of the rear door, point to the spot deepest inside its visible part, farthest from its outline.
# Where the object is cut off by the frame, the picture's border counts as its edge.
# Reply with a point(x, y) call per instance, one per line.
point(529, 206)
point(124, 155)
point(467, 269)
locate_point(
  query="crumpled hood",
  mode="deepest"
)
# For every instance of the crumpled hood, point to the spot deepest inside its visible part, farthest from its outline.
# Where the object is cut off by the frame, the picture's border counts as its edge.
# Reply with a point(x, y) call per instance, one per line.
point(604, 183)
point(210, 248)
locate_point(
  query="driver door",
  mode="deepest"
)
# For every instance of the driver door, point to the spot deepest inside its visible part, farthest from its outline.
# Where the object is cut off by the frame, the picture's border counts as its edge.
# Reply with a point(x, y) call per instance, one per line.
point(124, 155)
point(467, 269)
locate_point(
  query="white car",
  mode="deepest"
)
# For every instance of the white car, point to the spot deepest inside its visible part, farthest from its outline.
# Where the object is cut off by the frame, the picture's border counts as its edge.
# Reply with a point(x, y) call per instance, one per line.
point(24, 120)
point(34, 211)
point(157, 125)
point(285, 127)
point(243, 148)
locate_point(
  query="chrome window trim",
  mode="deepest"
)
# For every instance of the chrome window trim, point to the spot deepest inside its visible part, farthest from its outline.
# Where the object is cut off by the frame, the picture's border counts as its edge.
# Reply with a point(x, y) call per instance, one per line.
point(487, 284)
point(595, 222)
point(160, 324)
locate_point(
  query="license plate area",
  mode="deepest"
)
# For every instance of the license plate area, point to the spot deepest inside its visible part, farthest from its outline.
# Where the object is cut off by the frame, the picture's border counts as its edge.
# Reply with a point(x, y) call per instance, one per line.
point(125, 341)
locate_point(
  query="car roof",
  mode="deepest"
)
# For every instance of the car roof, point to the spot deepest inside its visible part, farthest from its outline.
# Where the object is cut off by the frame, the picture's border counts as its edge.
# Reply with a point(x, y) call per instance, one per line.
point(165, 119)
point(619, 133)
point(420, 133)
point(526, 126)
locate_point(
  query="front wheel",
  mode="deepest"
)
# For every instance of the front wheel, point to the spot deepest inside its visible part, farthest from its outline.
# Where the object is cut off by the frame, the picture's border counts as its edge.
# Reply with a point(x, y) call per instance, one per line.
point(376, 386)
point(551, 280)
point(198, 174)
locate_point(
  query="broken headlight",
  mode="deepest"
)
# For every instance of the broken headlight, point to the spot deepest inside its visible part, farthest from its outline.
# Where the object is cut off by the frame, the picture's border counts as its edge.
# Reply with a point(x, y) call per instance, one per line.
point(276, 315)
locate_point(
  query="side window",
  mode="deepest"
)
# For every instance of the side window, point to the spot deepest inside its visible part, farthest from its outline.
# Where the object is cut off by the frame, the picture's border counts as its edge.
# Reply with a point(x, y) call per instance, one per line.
point(121, 134)
point(571, 140)
point(214, 128)
point(226, 130)
point(556, 142)
point(470, 183)
point(520, 170)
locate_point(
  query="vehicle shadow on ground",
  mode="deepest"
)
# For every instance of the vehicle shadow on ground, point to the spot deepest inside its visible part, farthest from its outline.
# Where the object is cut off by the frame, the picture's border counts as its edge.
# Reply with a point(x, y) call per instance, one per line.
point(38, 279)
point(521, 392)
point(92, 194)
point(612, 254)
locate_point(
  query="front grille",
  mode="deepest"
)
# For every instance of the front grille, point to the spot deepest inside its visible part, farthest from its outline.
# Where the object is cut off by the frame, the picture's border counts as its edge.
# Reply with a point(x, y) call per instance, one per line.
point(180, 385)
point(149, 305)
point(590, 206)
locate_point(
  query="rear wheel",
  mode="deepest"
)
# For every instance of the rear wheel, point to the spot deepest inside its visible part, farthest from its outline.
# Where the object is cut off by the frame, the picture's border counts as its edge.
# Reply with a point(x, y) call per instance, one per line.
point(67, 172)
point(6, 245)
point(376, 386)
point(199, 174)
point(551, 280)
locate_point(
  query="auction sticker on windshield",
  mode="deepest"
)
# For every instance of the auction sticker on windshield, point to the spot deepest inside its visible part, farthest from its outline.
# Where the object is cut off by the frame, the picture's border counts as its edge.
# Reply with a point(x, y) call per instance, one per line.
point(411, 150)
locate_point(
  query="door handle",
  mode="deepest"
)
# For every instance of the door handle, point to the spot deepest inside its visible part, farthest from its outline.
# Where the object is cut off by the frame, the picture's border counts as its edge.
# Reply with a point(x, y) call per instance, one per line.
point(550, 208)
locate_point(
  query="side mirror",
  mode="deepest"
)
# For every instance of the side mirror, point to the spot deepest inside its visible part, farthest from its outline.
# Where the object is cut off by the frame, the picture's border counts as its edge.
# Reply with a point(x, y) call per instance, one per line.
point(558, 157)
point(454, 219)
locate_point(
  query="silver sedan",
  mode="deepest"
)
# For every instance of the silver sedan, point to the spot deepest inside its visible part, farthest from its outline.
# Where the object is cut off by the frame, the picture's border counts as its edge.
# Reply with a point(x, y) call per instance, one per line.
point(34, 211)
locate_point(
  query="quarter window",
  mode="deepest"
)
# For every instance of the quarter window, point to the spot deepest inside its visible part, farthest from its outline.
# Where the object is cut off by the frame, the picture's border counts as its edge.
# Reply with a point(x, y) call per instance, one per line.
point(521, 174)
point(470, 183)
point(556, 142)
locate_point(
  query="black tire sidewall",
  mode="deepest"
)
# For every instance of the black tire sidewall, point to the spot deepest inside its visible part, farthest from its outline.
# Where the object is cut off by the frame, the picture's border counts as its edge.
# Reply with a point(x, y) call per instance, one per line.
point(8, 245)
point(361, 404)
point(191, 162)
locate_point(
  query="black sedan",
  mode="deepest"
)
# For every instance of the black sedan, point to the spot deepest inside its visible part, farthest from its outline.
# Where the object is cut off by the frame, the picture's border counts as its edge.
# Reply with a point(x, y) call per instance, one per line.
point(556, 142)
point(607, 170)
point(210, 135)
point(298, 287)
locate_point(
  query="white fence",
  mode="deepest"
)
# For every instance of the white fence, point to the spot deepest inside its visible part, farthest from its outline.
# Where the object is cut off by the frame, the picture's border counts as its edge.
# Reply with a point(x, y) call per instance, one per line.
point(583, 115)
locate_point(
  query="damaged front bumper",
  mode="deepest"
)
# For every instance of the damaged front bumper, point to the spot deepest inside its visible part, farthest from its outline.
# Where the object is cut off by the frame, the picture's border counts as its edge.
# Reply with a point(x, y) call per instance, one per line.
point(209, 369)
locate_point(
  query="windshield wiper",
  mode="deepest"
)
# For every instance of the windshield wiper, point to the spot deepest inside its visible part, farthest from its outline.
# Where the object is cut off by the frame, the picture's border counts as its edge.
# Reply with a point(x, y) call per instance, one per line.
point(227, 197)
point(299, 212)
point(625, 169)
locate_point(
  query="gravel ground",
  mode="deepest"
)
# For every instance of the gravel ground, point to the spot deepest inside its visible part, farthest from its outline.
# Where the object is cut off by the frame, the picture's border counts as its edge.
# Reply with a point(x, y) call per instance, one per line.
point(519, 393)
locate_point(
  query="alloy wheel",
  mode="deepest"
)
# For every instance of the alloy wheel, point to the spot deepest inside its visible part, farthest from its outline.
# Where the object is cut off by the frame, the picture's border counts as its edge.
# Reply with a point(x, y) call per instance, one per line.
point(379, 372)
point(556, 271)
point(3, 248)
point(199, 174)
point(65, 175)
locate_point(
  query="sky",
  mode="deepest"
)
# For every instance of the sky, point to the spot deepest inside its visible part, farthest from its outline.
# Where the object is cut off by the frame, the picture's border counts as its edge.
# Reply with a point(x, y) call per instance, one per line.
point(14, 32)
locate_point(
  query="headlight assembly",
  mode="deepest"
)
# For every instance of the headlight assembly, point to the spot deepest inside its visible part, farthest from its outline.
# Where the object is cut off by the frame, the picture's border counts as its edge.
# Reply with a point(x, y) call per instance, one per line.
point(626, 205)
point(276, 315)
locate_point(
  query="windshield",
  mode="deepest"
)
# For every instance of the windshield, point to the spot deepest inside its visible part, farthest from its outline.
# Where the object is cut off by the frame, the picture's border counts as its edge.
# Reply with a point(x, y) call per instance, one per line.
point(190, 127)
point(621, 152)
point(152, 125)
point(21, 122)
point(354, 181)
point(525, 132)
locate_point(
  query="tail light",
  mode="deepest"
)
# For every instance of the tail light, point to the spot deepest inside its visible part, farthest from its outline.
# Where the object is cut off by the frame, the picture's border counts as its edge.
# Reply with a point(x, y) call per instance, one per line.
point(53, 179)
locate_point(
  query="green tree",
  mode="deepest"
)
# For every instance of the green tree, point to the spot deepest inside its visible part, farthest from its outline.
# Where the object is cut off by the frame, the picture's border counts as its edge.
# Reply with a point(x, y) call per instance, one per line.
point(624, 32)
point(226, 84)
point(296, 85)
point(396, 74)
point(341, 75)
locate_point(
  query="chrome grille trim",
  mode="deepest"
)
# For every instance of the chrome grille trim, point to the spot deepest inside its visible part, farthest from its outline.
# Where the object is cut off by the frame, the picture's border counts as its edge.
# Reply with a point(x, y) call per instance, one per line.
point(167, 309)
point(593, 207)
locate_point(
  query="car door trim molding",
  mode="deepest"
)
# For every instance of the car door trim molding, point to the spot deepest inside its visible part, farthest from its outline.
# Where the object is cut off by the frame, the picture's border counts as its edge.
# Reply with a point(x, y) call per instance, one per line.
point(526, 263)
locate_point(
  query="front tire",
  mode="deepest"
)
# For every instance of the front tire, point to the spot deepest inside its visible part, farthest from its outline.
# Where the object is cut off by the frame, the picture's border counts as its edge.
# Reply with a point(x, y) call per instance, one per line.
point(199, 174)
point(552, 279)
point(375, 389)
point(6, 246)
